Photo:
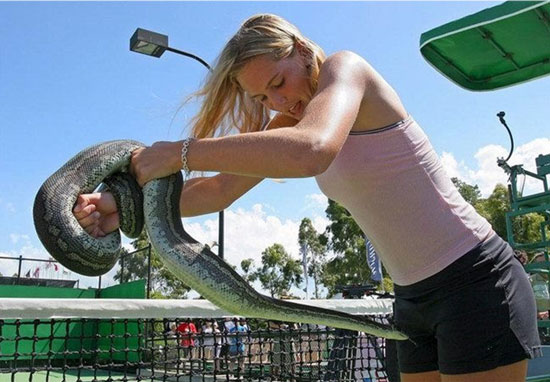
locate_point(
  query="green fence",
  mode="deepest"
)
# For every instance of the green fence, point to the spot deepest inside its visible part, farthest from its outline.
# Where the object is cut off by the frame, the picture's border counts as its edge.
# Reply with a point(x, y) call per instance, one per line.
point(27, 291)
point(67, 340)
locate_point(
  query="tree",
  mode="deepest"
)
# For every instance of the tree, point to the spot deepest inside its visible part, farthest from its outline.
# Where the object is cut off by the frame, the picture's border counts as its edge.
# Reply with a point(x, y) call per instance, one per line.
point(342, 230)
point(310, 241)
point(470, 193)
point(526, 227)
point(279, 272)
point(249, 274)
point(345, 238)
point(494, 209)
point(164, 284)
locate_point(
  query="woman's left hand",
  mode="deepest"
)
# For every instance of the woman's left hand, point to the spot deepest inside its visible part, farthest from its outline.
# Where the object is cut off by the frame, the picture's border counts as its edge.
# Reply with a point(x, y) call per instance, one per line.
point(157, 161)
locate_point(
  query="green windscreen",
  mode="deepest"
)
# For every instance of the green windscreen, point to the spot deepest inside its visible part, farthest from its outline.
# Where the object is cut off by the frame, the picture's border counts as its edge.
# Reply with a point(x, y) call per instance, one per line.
point(497, 47)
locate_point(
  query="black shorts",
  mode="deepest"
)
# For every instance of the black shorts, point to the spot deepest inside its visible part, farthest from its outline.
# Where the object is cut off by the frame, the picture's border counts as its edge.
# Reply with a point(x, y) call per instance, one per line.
point(475, 315)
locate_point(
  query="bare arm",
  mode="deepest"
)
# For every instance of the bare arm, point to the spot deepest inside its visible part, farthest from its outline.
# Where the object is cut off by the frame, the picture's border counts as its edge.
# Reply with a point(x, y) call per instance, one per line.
point(305, 149)
point(97, 213)
point(206, 195)
point(211, 194)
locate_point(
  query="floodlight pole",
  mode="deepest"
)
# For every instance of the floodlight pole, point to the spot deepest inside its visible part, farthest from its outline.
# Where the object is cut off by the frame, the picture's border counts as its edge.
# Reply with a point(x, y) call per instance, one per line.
point(155, 44)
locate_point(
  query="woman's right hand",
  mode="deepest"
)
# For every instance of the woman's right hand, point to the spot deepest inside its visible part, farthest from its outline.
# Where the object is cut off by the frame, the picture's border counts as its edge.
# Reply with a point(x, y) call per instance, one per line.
point(97, 213)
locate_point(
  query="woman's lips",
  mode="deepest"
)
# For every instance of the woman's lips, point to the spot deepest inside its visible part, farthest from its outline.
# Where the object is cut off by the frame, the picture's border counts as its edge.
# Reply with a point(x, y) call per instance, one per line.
point(294, 110)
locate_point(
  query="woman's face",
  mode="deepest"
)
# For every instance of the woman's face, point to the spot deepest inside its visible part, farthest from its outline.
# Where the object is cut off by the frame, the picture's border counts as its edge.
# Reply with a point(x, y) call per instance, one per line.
point(281, 85)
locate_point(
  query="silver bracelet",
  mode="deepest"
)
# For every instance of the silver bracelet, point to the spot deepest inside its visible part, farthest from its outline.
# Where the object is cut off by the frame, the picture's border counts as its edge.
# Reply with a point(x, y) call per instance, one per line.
point(184, 150)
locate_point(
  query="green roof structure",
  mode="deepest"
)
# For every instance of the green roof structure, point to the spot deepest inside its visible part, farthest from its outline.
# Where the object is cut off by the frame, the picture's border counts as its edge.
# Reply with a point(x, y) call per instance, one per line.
point(497, 47)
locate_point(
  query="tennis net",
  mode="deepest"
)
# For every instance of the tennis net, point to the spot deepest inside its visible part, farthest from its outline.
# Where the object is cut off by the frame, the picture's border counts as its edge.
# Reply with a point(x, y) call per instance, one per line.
point(183, 340)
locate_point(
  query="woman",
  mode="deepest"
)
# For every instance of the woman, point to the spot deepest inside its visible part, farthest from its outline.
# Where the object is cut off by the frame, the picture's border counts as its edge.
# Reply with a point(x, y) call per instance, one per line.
point(460, 294)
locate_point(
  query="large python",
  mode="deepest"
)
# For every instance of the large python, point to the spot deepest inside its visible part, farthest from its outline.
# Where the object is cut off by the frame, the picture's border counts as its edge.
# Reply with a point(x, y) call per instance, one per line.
point(192, 262)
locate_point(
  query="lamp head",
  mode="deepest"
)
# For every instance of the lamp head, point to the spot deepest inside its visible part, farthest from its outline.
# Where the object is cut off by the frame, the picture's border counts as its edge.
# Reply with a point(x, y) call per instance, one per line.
point(149, 43)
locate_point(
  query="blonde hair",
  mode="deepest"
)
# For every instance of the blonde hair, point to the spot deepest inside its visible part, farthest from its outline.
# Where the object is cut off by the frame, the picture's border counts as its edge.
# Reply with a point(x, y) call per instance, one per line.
point(225, 105)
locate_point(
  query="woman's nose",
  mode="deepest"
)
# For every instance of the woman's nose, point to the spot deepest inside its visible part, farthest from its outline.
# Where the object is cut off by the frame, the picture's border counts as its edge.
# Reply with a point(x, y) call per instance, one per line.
point(278, 101)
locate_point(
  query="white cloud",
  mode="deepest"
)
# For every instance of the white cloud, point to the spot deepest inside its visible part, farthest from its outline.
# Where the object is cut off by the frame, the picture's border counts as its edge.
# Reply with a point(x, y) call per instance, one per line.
point(452, 167)
point(7, 206)
point(10, 267)
point(247, 233)
point(315, 206)
point(317, 200)
point(15, 238)
point(487, 174)
point(320, 223)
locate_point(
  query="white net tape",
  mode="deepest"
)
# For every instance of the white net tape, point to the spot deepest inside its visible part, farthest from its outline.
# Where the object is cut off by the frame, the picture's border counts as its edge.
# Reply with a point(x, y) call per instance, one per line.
point(33, 308)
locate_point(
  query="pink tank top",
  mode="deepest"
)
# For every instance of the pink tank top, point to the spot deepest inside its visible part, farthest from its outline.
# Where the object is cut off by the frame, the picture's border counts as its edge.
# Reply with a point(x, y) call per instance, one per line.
point(394, 185)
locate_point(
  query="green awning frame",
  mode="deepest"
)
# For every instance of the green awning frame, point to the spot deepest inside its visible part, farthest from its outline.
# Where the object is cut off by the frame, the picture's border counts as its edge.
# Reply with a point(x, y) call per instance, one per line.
point(497, 47)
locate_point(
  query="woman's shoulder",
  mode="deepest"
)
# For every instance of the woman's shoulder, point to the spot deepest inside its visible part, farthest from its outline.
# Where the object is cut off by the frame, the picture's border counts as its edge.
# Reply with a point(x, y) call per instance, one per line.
point(380, 104)
point(345, 63)
point(345, 58)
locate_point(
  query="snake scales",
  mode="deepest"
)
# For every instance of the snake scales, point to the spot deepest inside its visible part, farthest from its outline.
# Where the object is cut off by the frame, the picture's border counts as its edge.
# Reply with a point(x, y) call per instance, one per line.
point(192, 262)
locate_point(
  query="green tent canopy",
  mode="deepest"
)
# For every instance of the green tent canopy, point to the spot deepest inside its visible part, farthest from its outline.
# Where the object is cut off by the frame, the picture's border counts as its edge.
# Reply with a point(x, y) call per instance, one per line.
point(499, 46)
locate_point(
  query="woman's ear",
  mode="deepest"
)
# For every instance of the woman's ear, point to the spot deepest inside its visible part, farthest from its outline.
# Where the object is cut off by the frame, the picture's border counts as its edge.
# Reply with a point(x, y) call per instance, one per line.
point(300, 47)
point(304, 52)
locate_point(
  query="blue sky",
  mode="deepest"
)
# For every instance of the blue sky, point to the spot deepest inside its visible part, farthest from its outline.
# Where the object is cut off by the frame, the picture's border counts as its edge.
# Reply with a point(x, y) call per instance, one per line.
point(68, 80)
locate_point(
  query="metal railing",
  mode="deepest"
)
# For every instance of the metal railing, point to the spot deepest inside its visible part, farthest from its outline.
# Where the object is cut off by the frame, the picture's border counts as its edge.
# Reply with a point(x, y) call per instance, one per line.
point(21, 259)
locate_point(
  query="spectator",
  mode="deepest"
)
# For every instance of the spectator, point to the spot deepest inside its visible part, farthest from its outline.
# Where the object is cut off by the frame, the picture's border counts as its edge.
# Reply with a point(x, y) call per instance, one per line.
point(521, 255)
point(217, 345)
point(282, 351)
point(539, 281)
point(207, 332)
point(244, 324)
point(169, 346)
point(228, 325)
point(167, 325)
point(539, 257)
point(211, 343)
point(236, 345)
point(186, 332)
point(542, 296)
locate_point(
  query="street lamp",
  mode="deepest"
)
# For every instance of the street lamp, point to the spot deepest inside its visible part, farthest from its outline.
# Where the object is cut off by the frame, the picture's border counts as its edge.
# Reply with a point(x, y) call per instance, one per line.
point(155, 44)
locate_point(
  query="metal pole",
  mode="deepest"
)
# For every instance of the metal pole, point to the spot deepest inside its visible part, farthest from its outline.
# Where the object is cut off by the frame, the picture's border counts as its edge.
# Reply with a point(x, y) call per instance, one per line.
point(220, 235)
point(190, 55)
point(149, 271)
point(19, 268)
point(121, 269)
